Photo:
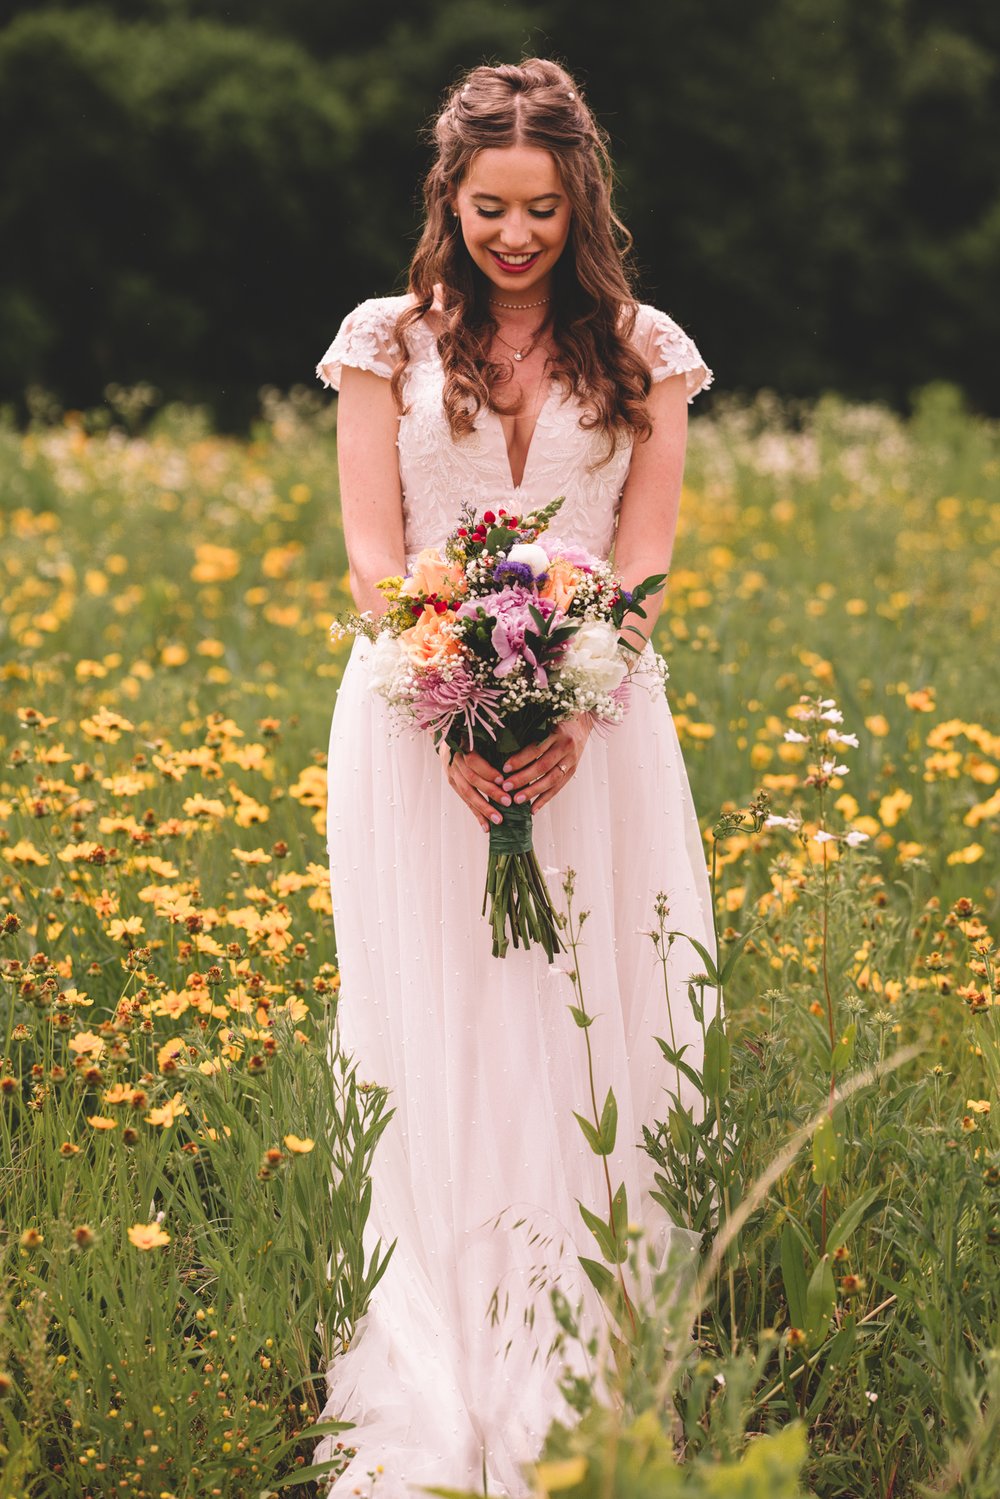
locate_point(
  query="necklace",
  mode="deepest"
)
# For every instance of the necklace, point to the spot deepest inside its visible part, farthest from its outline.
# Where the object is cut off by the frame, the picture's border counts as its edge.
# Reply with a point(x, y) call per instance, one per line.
point(525, 349)
point(516, 305)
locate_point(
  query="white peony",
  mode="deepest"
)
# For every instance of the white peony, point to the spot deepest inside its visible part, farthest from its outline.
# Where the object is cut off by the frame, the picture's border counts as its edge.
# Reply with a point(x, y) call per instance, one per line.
point(531, 555)
point(593, 656)
point(384, 662)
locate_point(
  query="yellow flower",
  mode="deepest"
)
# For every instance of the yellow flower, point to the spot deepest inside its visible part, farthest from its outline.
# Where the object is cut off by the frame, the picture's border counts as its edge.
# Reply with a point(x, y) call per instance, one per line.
point(968, 855)
point(148, 1235)
point(892, 806)
point(101, 1121)
point(25, 852)
point(978, 1105)
point(297, 1146)
point(214, 564)
point(106, 725)
point(921, 700)
point(131, 926)
point(168, 1112)
point(982, 811)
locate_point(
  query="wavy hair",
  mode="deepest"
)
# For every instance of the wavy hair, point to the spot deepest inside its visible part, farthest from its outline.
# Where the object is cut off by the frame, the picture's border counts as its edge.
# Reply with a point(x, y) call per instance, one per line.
point(531, 103)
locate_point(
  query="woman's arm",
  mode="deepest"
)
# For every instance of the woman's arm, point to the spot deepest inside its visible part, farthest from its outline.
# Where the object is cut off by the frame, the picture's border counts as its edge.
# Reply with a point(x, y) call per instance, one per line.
point(647, 519)
point(371, 498)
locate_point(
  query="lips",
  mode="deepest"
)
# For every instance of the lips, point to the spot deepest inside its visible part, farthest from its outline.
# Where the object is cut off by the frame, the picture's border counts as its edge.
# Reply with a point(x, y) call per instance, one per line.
point(515, 269)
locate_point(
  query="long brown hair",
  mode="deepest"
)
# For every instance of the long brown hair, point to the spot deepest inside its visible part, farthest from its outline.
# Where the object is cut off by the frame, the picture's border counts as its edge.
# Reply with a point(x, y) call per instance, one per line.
point(533, 103)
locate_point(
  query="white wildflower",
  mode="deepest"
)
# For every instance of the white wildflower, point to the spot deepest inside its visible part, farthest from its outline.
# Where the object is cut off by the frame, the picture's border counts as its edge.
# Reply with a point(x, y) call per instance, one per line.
point(794, 737)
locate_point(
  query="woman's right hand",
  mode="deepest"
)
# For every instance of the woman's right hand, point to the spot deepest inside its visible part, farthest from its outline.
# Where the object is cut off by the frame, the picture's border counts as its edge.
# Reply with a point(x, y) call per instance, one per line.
point(477, 782)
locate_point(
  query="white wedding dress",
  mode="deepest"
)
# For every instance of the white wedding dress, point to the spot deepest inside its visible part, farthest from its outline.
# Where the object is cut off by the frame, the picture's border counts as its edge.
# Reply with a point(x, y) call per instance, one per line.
point(479, 1172)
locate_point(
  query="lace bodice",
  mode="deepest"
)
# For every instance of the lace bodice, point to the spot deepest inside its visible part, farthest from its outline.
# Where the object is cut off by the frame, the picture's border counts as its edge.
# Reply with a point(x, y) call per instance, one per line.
point(439, 473)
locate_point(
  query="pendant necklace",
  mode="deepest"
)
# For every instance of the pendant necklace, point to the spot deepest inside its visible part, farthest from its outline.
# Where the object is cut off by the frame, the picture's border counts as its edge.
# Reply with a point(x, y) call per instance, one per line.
point(525, 349)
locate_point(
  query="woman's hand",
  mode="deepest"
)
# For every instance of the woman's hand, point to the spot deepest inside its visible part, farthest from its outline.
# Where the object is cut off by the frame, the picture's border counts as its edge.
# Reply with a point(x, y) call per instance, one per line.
point(477, 783)
point(537, 772)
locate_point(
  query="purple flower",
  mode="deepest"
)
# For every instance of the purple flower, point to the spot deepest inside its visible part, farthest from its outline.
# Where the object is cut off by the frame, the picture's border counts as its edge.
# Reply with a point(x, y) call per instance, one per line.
point(510, 573)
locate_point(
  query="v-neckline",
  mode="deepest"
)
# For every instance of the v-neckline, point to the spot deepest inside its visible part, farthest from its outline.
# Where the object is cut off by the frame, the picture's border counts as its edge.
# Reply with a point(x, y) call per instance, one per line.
point(505, 450)
point(531, 440)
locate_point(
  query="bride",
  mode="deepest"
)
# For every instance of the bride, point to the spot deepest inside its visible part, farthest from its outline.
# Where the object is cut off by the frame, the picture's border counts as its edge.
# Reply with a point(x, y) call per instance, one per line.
point(519, 366)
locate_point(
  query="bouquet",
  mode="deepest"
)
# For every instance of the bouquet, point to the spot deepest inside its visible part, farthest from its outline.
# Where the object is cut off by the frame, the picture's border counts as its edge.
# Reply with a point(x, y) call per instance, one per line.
point(487, 644)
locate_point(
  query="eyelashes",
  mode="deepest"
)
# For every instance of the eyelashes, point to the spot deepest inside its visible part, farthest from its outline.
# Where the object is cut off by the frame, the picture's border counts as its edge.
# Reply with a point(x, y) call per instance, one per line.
point(536, 213)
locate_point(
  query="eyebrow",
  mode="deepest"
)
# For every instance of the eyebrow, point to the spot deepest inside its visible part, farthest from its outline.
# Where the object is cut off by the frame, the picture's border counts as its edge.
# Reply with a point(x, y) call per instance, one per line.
point(492, 197)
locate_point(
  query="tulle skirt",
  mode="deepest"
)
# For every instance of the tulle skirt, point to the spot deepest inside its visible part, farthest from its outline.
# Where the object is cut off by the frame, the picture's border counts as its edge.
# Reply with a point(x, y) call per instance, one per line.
point(479, 1172)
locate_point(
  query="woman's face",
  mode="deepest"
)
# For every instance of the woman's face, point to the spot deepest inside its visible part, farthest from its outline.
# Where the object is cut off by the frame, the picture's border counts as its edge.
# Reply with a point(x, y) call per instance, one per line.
point(515, 216)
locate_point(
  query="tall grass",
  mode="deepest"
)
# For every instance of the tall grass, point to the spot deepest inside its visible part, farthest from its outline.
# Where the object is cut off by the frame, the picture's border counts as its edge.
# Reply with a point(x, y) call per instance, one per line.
point(185, 1150)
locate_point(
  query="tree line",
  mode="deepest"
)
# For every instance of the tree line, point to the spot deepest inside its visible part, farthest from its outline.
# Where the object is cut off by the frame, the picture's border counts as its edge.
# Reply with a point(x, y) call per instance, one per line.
point(194, 193)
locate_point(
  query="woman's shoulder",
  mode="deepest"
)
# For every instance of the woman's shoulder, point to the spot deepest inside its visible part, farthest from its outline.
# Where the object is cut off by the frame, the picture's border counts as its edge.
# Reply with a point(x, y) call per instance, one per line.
point(366, 339)
point(668, 349)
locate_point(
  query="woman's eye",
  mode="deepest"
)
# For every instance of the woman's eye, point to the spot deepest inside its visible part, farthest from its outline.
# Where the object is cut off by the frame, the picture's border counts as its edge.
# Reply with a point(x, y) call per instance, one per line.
point(536, 213)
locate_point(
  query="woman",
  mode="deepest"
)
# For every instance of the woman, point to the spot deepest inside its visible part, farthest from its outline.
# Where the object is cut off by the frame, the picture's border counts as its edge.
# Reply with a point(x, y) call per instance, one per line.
point(518, 367)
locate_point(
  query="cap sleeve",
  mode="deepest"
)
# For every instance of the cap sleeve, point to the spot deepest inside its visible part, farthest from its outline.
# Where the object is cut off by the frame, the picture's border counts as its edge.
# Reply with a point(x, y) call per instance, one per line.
point(669, 350)
point(364, 341)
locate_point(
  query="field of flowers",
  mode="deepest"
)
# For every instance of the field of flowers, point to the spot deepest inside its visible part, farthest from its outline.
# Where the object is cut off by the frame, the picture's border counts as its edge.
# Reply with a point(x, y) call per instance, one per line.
point(184, 1149)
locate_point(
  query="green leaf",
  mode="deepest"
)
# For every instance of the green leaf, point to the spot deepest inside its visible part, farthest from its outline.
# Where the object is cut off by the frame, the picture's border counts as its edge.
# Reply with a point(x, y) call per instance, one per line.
point(821, 1298)
point(580, 1016)
point(619, 1215)
point(609, 1123)
point(827, 1153)
point(710, 968)
point(602, 1233)
point(600, 1276)
point(733, 955)
point(717, 1060)
point(793, 1275)
point(850, 1218)
point(844, 1049)
point(592, 1136)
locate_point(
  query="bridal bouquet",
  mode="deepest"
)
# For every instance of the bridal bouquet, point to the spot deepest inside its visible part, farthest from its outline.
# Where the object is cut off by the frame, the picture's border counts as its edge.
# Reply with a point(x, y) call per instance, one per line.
point(487, 644)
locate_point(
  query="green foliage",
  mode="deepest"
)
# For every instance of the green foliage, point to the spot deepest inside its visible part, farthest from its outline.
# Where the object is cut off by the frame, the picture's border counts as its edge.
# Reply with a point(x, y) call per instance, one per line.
point(236, 179)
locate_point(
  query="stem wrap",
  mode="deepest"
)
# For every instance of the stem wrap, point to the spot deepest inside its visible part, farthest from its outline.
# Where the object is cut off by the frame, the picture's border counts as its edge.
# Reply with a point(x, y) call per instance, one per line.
point(514, 834)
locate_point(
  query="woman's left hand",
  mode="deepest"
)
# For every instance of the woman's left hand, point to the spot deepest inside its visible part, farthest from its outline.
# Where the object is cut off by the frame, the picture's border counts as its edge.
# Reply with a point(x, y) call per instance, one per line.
point(538, 771)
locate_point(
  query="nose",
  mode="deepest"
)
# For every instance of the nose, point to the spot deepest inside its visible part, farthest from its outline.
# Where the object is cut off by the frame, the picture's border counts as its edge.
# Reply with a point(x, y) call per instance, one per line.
point(515, 232)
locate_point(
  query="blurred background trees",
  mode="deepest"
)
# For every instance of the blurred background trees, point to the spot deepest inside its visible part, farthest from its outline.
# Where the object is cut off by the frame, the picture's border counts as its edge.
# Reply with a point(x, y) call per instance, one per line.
point(194, 193)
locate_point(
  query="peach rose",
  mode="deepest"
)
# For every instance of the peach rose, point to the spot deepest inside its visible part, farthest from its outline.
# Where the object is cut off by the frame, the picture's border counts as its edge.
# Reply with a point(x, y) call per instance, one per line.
point(561, 584)
point(431, 574)
point(428, 644)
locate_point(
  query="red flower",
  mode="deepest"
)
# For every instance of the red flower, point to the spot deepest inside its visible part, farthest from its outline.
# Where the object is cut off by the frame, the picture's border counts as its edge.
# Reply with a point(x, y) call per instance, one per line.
point(489, 517)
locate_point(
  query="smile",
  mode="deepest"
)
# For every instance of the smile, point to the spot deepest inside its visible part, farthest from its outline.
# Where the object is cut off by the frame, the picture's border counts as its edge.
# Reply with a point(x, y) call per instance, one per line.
point(515, 263)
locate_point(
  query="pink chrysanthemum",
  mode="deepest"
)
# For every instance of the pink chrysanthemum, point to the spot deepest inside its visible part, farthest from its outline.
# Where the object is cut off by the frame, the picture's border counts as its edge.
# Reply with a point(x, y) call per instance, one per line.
point(443, 698)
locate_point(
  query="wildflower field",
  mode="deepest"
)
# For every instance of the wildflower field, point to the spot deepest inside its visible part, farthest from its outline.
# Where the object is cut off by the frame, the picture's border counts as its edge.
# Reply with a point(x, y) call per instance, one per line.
point(184, 1150)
